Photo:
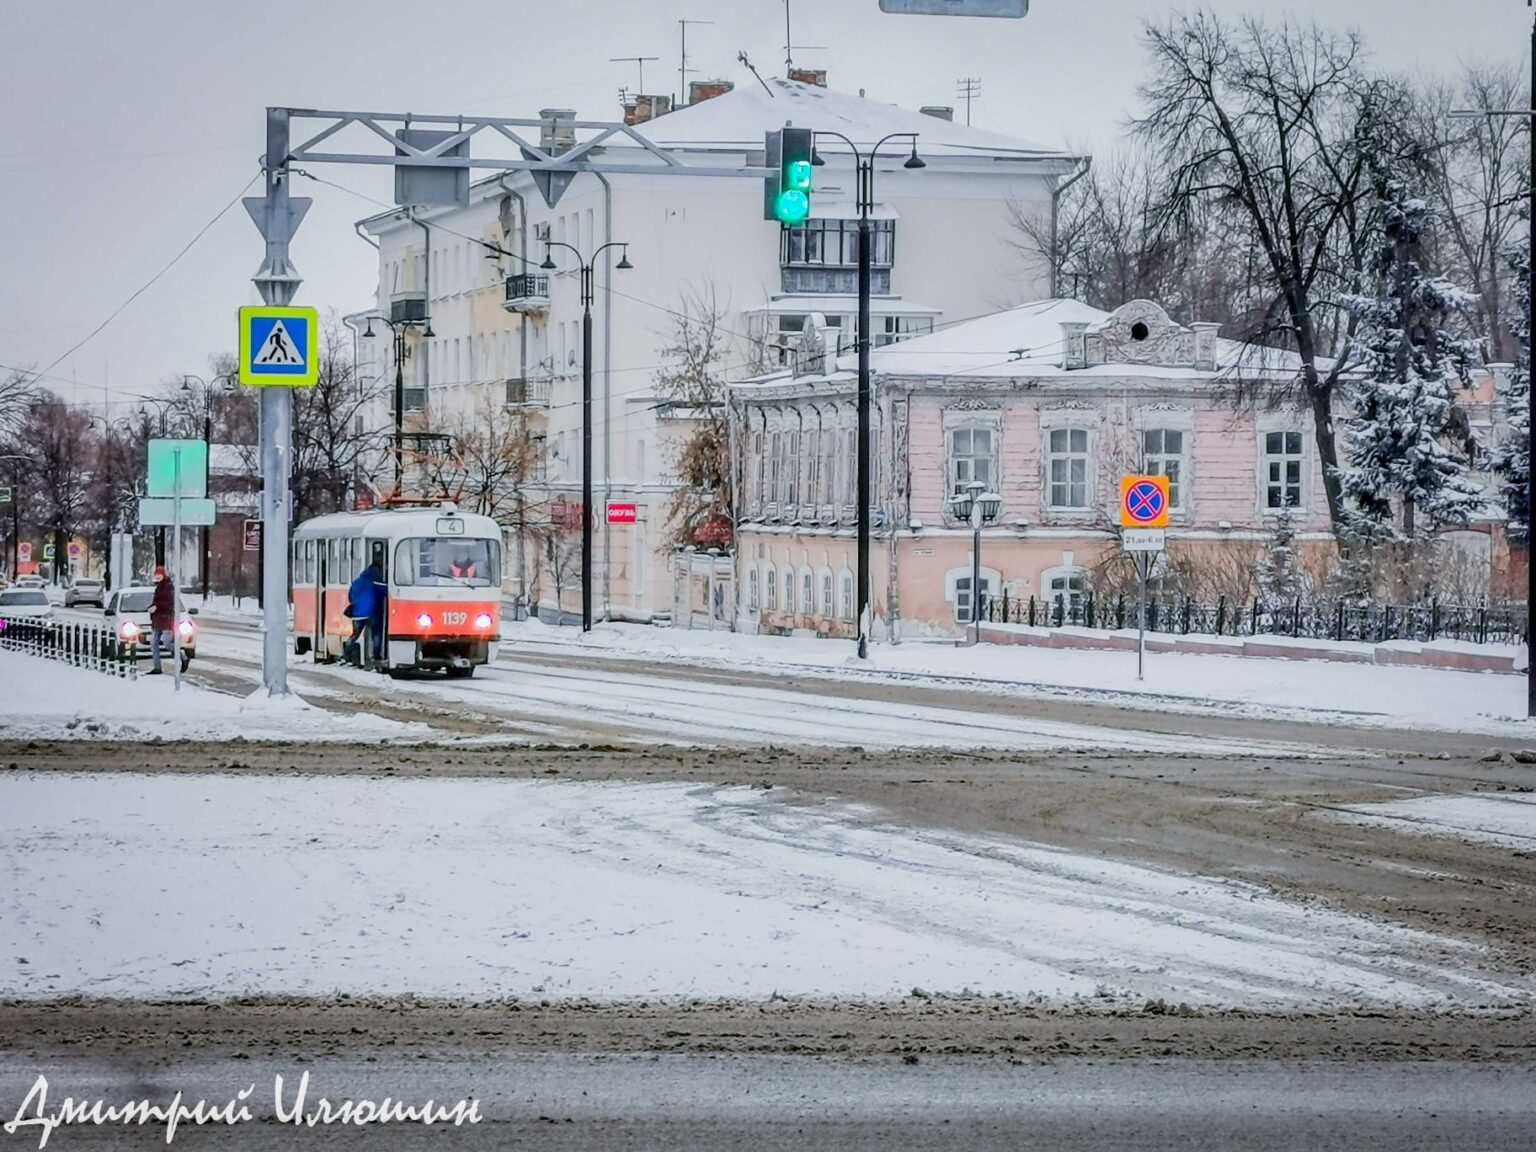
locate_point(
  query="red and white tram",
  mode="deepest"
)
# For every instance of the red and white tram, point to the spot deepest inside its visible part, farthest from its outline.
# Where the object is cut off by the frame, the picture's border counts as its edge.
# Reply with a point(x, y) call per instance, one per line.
point(441, 579)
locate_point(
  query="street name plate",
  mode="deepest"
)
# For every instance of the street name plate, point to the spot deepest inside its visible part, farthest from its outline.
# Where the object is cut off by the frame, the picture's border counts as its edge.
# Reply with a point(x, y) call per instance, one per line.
point(161, 512)
point(1143, 539)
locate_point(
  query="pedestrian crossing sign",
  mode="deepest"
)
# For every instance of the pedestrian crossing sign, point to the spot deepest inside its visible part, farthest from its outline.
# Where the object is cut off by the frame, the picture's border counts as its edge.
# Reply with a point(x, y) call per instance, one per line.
point(280, 346)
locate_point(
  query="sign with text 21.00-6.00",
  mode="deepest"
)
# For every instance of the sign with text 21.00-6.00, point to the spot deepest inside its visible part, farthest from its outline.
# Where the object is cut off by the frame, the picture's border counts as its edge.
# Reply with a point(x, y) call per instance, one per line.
point(280, 346)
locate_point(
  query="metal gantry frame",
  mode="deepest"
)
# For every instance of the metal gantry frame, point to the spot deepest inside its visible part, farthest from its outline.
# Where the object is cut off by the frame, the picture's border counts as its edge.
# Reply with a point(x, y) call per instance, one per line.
point(277, 215)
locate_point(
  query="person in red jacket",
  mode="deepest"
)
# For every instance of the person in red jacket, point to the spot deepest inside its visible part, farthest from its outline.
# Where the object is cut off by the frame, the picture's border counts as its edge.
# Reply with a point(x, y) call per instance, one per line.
point(162, 620)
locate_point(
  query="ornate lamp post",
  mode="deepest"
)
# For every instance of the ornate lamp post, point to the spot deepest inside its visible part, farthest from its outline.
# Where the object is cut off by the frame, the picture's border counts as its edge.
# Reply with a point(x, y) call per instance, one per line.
point(977, 506)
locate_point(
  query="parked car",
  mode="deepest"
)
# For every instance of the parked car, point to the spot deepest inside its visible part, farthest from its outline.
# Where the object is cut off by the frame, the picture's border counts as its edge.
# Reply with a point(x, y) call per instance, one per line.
point(128, 612)
point(28, 605)
point(86, 592)
point(31, 582)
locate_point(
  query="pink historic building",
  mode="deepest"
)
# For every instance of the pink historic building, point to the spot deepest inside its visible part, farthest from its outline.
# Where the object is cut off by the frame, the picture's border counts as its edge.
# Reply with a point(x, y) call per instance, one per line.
point(1047, 404)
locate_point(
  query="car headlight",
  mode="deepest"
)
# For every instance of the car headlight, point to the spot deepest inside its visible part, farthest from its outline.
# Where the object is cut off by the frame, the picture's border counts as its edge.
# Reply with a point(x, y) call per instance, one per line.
point(483, 620)
point(424, 620)
point(129, 631)
point(186, 628)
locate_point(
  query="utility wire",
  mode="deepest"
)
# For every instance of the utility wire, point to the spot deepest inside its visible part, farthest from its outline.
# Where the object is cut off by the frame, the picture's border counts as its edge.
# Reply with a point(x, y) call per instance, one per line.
point(187, 247)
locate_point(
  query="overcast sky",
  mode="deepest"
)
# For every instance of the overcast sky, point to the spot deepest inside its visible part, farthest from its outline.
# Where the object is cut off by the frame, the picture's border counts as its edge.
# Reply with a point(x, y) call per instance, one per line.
point(131, 125)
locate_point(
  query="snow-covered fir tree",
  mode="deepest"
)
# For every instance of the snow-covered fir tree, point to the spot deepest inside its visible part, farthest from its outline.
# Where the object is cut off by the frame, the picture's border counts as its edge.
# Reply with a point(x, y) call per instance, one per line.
point(1279, 573)
point(1398, 438)
point(1512, 458)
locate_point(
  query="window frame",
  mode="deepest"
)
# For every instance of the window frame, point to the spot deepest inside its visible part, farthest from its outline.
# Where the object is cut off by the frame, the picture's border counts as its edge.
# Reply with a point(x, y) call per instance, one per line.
point(1051, 456)
point(1156, 463)
point(1302, 459)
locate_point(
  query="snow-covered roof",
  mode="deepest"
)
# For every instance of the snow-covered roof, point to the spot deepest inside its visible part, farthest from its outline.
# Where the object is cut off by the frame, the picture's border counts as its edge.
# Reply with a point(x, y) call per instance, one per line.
point(740, 117)
point(1027, 341)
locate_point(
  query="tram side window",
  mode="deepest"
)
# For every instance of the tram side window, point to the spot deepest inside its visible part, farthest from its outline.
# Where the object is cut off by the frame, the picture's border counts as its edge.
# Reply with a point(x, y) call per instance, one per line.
point(443, 562)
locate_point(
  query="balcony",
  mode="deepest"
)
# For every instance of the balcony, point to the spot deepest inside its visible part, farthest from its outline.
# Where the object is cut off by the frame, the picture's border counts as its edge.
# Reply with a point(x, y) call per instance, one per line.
point(528, 392)
point(527, 292)
point(406, 306)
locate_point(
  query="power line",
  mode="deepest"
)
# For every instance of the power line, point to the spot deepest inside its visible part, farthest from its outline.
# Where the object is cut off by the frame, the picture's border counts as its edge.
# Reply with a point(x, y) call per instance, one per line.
point(187, 247)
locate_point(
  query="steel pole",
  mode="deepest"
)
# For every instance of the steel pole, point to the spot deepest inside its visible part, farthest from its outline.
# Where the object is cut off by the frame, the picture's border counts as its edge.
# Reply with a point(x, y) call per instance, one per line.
point(175, 573)
point(976, 574)
point(277, 283)
point(207, 470)
point(399, 338)
point(1530, 478)
point(586, 448)
point(1143, 560)
point(866, 175)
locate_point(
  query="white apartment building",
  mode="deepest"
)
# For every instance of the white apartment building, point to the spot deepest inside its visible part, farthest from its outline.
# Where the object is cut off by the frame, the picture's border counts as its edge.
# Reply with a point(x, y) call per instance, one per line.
point(505, 335)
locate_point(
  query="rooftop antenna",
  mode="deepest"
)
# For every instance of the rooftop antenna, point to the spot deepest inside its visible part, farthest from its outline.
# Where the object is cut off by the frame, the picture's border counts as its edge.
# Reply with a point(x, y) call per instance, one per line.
point(968, 89)
point(790, 45)
point(682, 64)
point(742, 56)
point(642, 61)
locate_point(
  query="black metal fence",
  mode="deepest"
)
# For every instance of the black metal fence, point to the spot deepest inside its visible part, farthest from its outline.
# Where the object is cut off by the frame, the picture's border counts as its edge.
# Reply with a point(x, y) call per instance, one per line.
point(92, 646)
point(1312, 619)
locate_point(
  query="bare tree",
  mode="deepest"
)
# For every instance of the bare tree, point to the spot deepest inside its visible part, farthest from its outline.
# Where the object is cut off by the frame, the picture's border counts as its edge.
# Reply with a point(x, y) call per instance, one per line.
point(17, 391)
point(1275, 130)
point(331, 440)
point(57, 440)
point(1479, 180)
point(696, 349)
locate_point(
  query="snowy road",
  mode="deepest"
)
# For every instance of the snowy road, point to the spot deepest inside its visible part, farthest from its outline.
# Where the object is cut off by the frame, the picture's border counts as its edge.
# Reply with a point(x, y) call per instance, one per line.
point(528, 696)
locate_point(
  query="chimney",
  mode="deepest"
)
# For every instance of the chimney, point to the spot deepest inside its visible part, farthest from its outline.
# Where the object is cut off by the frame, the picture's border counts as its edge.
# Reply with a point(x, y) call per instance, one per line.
point(644, 108)
point(816, 76)
point(555, 137)
point(938, 112)
point(702, 90)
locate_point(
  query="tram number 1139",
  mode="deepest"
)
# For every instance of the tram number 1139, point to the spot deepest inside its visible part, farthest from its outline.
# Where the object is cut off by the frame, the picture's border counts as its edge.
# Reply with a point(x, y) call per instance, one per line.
point(455, 617)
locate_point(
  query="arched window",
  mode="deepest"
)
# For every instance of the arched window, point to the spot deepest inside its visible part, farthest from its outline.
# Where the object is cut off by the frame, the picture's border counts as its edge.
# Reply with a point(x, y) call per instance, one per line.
point(771, 588)
point(845, 606)
point(789, 590)
point(826, 592)
point(752, 590)
point(957, 590)
point(807, 591)
point(1064, 590)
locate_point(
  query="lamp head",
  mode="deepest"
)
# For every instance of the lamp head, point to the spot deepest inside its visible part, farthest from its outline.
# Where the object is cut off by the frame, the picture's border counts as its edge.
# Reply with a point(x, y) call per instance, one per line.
point(428, 333)
point(816, 160)
point(369, 335)
point(549, 258)
point(624, 263)
point(914, 160)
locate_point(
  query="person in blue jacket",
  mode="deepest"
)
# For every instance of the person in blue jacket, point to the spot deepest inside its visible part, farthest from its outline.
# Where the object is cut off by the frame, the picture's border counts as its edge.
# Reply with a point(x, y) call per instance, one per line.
point(365, 605)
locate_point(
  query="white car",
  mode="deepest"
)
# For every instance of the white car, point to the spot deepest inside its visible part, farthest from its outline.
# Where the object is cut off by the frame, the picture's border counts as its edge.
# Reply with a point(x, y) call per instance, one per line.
point(86, 591)
point(23, 604)
point(31, 582)
point(128, 612)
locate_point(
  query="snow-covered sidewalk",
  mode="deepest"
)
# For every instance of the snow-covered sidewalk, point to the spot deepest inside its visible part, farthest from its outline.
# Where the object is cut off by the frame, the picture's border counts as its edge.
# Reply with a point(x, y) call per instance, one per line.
point(1507, 819)
point(1307, 691)
point(220, 886)
point(47, 700)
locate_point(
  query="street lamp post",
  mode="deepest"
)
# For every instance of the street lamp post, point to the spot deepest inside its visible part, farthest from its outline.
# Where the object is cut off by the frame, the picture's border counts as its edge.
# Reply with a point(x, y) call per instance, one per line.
point(587, 278)
point(399, 328)
point(864, 164)
point(15, 511)
point(977, 506)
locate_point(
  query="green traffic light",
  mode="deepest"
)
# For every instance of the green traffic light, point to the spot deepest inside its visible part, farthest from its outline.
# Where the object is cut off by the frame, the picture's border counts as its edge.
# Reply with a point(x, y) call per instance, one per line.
point(793, 206)
point(799, 175)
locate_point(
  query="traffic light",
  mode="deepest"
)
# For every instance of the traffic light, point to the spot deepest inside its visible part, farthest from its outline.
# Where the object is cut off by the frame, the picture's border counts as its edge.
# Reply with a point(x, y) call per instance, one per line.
point(788, 197)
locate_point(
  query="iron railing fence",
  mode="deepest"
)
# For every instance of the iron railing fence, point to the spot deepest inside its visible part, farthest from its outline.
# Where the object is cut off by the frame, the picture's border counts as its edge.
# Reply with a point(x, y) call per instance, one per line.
point(1306, 618)
point(84, 645)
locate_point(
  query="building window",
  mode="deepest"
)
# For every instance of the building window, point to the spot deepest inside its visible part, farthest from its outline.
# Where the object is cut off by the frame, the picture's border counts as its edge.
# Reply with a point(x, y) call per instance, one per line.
point(812, 465)
point(845, 609)
point(1283, 460)
point(1162, 454)
point(775, 467)
point(970, 457)
point(771, 586)
point(807, 592)
point(963, 598)
point(835, 244)
point(752, 590)
point(826, 591)
point(1065, 590)
point(1067, 460)
point(789, 590)
point(894, 328)
point(791, 473)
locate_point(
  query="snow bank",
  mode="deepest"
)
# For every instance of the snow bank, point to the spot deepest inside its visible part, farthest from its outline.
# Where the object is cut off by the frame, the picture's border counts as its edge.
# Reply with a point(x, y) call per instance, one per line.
point(1307, 691)
point(218, 886)
point(44, 699)
point(1507, 819)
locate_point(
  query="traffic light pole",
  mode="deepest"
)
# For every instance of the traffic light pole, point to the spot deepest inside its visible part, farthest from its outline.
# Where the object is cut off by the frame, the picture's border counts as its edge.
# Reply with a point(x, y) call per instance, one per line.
point(864, 164)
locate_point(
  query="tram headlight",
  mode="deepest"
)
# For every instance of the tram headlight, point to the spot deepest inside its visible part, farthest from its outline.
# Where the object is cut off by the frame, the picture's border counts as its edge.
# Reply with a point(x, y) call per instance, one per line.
point(483, 620)
point(424, 620)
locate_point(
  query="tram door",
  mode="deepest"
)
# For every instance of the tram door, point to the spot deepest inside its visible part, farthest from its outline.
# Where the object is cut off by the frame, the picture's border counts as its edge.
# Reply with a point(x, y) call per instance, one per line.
point(322, 573)
point(378, 555)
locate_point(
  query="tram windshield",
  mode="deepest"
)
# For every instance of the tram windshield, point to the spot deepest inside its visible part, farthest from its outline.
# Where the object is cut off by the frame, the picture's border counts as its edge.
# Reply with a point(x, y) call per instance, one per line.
point(438, 561)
